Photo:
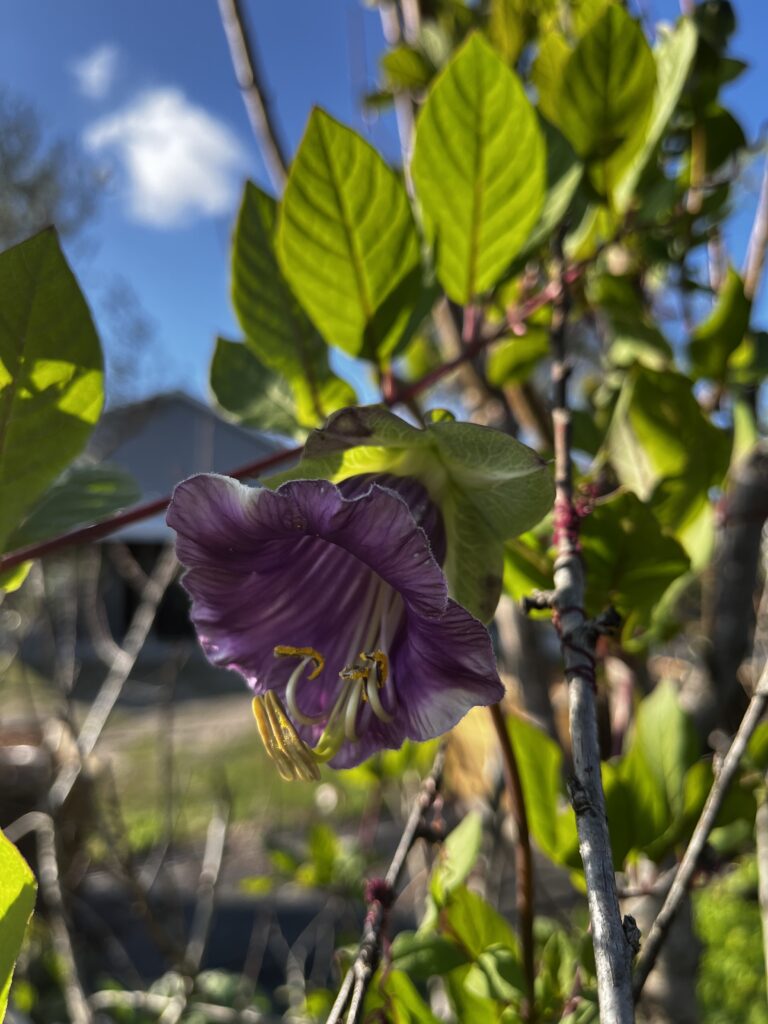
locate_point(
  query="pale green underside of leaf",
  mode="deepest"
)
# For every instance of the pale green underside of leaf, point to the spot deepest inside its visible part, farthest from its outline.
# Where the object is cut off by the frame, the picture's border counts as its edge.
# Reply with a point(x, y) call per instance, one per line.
point(489, 486)
point(346, 236)
point(17, 899)
point(278, 331)
point(83, 495)
point(51, 375)
point(479, 169)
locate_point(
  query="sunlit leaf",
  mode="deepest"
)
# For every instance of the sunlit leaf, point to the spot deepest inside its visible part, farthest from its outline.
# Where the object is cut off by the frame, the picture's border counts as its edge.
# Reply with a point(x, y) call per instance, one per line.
point(277, 330)
point(713, 341)
point(17, 899)
point(51, 375)
point(346, 239)
point(479, 168)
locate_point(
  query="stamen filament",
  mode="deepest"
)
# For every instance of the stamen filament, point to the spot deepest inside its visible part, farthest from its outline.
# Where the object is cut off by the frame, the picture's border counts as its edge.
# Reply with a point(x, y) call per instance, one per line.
point(290, 696)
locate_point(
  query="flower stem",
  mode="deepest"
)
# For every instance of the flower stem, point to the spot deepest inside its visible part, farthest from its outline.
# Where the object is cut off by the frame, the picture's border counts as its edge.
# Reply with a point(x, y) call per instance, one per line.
point(524, 880)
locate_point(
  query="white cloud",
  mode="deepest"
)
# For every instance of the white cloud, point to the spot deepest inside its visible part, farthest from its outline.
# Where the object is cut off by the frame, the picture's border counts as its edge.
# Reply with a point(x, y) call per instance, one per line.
point(177, 160)
point(95, 72)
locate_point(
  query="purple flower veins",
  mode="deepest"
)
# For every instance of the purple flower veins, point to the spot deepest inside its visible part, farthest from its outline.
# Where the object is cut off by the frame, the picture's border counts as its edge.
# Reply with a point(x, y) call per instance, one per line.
point(330, 601)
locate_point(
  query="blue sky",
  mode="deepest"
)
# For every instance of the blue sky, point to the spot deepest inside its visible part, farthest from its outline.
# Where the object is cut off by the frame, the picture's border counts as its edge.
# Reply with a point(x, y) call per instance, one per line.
point(115, 75)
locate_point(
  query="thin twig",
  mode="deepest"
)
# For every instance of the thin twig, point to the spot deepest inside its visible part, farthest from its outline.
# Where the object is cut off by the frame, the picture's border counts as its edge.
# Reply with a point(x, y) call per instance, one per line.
point(206, 888)
point(704, 826)
point(162, 575)
point(613, 951)
point(255, 97)
point(758, 241)
point(50, 888)
point(524, 881)
point(383, 894)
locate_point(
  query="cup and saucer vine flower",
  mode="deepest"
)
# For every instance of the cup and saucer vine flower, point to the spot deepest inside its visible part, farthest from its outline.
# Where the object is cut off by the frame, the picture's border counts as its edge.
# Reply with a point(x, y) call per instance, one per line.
point(330, 601)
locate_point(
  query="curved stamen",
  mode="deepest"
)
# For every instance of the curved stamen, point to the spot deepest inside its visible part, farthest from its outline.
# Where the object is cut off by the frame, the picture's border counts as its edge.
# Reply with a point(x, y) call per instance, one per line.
point(290, 696)
point(350, 714)
point(381, 663)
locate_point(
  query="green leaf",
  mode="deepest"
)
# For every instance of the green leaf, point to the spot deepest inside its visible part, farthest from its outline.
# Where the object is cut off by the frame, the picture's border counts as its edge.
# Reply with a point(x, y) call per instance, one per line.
point(547, 73)
point(528, 565)
point(479, 168)
point(404, 67)
point(606, 90)
point(496, 974)
point(17, 900)
point(540, 761)
point(713, 341)
point(507, 28)
point(655, 426)
point(748, 364)
point(475, 923)
point(82, 495)
point(630, 561)
point(51, 375)
point(422, 956)
point(564, 174)
point(673, 55)
point(514, 359)
point(250, 392)
point(456, 857)
point(346, 238)
point(393, 997)
point(278, 332)
point(489, 487)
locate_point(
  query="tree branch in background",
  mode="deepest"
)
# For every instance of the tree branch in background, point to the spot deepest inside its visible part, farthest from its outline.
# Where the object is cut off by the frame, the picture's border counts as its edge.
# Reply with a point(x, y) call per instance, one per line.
point(524, 880)
point(382, 893)
point(758, 241)
point(257, 104)
point(612, 944)
point(100, 710)
point(704, 826)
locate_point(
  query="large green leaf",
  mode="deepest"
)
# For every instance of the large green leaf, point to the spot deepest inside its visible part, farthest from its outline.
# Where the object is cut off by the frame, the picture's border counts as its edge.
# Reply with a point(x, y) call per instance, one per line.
point(17, 900)
point(713, 341)
point(479, 168)
point(489, 487)
point(547, 73)
point(277, 330)
point(346, 240)
point(674, 55)
point(250, 392)
point(606, 92)
point(51, 376)
point(656, 425)
point(630, 561)
point(82, 495)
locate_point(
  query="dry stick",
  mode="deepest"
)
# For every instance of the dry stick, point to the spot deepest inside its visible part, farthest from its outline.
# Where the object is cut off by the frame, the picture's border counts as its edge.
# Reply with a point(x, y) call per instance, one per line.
point(613, 952)
point(360, 973)
point(100, 710)
point(758, 241)
point(206, 888)
point(704, 826)
point(251, 84)
point(50, 889)
point(524, 881)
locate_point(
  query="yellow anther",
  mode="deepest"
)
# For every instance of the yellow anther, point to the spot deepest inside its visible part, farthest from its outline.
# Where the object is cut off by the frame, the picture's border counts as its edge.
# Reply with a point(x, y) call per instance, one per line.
point(284, 651)
point(351, 674)
point(282, 743)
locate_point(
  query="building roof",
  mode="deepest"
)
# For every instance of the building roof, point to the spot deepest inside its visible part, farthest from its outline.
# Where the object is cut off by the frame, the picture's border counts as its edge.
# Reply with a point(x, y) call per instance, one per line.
point(165, 439)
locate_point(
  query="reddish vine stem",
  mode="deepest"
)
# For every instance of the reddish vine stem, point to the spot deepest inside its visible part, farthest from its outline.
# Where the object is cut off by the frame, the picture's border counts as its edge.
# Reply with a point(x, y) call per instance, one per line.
point(396, 394)
point(524, 880)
